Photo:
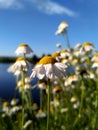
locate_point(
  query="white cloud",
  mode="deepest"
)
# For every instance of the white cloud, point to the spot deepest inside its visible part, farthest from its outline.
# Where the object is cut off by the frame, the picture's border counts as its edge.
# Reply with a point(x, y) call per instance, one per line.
point(50, 7)
point(46, 6)
point(9, 4)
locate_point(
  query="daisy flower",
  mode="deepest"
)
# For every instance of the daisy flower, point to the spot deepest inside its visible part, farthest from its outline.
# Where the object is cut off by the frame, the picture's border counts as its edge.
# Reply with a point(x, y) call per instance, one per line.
point(58, 45)
point(72, 78)
point(42, 84)
point(64, 53)
point(23, 49)
point(87, 46)
point(62, 28)
point(57, 89)
point(21, 64)
point(48, 67)
point(40, 114)
point(95, 57)
point(14, 102)
point(95, 64)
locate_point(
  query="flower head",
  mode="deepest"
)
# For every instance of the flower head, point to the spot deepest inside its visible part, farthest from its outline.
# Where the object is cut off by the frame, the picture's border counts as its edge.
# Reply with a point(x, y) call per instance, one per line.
point(58, 45)
point(48, 67)
point(64, 53)
point(95, 57)
point(14, 101)
point(62, 28)
point(23, 49)
point(42, 84)
point(95, 64)
point(87, 46)
point(40, 114)
point(21, 64)
point(57, 89)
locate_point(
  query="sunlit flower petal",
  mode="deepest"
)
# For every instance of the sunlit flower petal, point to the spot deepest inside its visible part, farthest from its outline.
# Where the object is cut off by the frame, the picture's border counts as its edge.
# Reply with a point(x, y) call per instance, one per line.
point(23, 49)
point(87, 46)
point(62, 28)
point(21, 64)
point(48, 67)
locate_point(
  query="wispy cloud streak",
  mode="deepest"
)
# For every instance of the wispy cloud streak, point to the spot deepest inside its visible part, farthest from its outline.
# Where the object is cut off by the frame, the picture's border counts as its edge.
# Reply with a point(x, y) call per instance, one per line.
point(10, 4)
point(50, 7)
point(46, 6)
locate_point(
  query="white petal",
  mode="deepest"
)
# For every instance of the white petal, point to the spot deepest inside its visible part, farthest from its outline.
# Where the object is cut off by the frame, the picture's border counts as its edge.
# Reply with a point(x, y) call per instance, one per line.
point(49, 70)
point(41, 72)
point(33, 74)
point(38, 71)
point(61, 66)
point(57, 72)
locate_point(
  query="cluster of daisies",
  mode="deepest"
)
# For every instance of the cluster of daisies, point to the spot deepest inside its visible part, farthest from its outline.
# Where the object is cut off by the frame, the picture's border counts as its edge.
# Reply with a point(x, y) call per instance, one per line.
point(68, 86)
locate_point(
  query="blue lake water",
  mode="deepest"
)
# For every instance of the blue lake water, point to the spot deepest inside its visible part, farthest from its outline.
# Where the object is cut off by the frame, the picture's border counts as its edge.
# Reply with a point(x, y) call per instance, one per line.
point(8, 84)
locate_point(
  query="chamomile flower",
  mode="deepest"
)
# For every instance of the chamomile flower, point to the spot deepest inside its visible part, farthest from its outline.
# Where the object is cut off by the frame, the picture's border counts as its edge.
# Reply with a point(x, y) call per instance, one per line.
point(55, 102)
point(48, 67)
point(14, 102)
point(87, 46)
point(58, 45)
point(62, 28)
point(15, 109)
point(76, 105)
point(95, 64)
point(76, 53)
point(64, 53)
point(57, 89)
point(91, 75)
point(5, 107)
point(95, 57)
point(73, 99)
point(21, 64)
point(40, 114)
point(23, 49)
point(72, 78)
point(42, 84)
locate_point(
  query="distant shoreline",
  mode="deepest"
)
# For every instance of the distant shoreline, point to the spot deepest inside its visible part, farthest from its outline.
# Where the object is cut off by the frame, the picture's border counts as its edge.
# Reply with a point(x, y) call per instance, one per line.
point(11, 59)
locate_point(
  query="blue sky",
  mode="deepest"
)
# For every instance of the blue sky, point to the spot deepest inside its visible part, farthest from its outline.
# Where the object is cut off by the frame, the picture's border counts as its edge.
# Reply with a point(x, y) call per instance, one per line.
point(35, 22)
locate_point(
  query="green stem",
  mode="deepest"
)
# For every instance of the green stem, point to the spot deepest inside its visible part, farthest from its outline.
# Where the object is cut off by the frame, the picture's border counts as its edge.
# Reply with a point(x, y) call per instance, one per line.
point(40, 98)
point(81, 105)
point(23, 99)
point(67, 40)
point(96, 105)
point(48, 107)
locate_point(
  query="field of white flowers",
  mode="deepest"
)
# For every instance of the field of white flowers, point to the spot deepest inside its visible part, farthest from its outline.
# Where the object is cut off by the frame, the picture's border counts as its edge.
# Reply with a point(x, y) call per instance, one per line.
point(68, 83)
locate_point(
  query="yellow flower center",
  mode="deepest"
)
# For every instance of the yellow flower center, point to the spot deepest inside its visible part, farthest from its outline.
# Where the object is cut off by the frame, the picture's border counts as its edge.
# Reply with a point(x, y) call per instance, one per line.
point(64, 51)
point(42, 81)
point(35, 105)
point(96, 62)
point(20, 59)
point(63, 25)
point(47, 60)
point(23, 45)
point(5, 104)
point(55, 54)
point(95, 55)
point(87, 44)
point(57, 89)
point(72, 76)
point(40, 111)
